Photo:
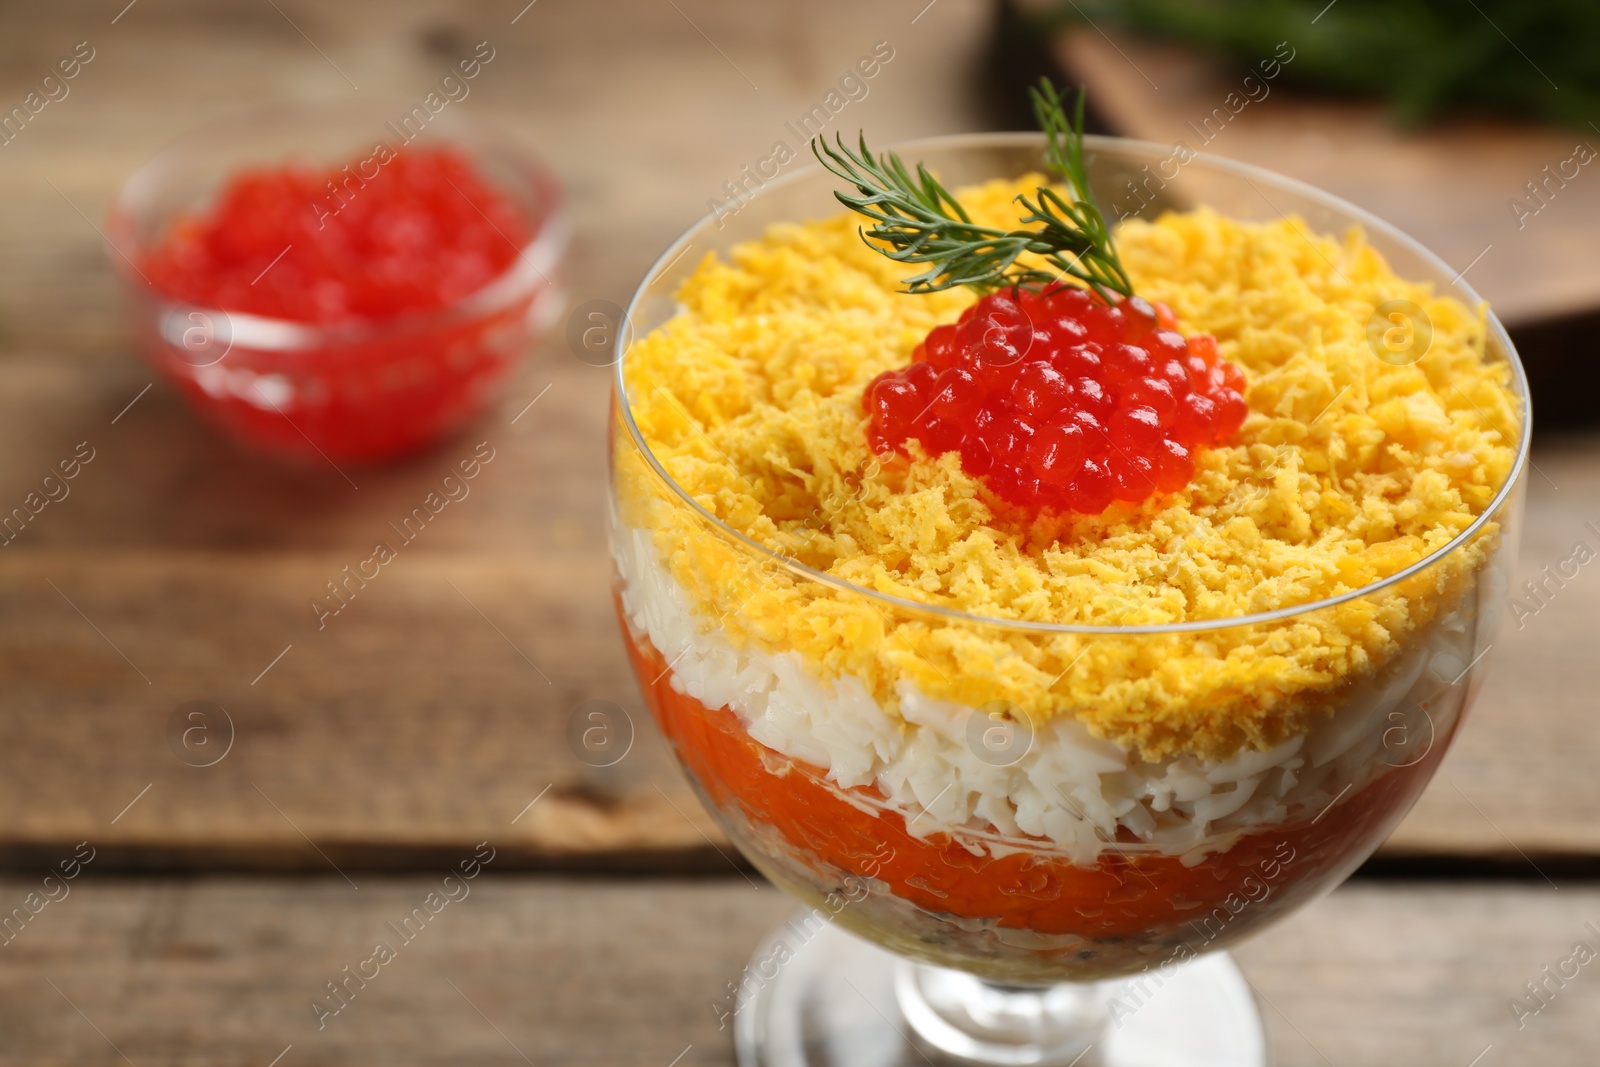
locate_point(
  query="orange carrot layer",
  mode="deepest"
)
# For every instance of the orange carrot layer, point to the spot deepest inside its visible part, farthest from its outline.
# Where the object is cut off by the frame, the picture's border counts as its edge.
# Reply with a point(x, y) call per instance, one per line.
point(1122, 895)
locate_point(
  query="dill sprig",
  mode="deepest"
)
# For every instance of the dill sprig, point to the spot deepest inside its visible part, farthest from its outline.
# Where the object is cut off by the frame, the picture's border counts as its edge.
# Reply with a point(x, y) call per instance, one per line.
point(916, 220)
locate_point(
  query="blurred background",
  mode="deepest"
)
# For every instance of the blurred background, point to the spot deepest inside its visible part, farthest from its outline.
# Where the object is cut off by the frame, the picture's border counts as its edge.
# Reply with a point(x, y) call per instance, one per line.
point(474, 701)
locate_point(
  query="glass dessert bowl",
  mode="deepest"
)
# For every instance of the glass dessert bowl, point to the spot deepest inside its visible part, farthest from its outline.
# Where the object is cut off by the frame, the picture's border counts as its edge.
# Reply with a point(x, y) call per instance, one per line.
point(1045, 765)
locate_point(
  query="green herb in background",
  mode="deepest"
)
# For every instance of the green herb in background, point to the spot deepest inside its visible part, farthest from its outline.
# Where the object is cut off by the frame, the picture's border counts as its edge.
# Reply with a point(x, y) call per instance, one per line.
point(1536, 58)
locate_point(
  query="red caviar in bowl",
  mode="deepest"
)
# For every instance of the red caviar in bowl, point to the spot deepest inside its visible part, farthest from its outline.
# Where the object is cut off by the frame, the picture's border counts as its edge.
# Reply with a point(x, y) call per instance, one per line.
point(322, 246)
point(1057, 399)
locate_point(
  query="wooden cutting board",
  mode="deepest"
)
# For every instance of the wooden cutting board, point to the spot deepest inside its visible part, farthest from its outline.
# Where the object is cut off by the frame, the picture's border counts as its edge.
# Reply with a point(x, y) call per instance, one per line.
point(1461, 187)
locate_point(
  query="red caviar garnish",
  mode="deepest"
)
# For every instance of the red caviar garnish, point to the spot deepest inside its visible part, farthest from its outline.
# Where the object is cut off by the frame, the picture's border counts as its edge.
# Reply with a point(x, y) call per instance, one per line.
point(1057, 399)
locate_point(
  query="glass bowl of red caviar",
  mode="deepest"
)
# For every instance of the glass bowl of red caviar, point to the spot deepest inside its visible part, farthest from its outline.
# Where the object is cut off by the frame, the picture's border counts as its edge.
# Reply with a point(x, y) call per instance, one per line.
point(980, 883)
point(340, 283)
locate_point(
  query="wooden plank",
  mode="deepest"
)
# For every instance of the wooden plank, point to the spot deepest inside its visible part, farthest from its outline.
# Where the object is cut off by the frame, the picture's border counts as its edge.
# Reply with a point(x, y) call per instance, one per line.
point(549, 971)
point(1449, 185)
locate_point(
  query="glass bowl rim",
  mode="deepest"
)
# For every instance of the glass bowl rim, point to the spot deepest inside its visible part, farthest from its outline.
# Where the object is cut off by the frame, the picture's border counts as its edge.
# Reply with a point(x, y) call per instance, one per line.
point(534, 264)
point(997, 139)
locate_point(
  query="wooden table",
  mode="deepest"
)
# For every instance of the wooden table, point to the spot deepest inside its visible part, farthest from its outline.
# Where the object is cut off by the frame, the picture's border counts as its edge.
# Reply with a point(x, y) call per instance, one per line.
point(433, 712)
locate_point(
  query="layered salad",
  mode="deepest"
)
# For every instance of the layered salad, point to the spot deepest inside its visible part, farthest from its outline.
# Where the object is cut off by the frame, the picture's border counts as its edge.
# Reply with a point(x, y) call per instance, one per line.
point(1058, 620)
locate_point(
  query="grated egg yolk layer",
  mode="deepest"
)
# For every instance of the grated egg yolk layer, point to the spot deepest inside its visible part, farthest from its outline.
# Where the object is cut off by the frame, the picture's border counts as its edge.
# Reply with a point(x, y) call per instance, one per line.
point(1348, 469)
